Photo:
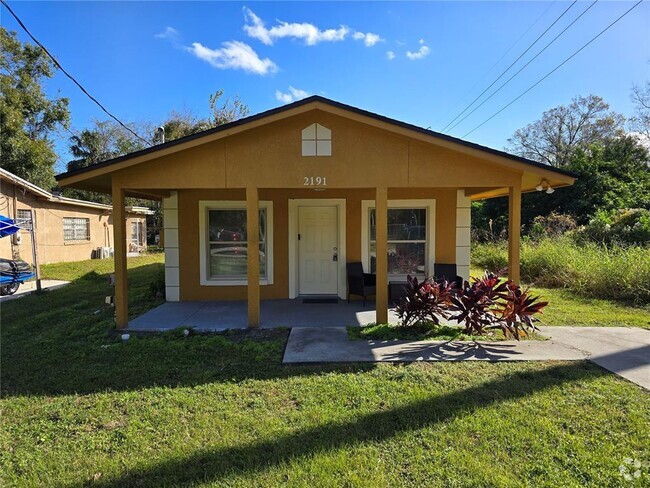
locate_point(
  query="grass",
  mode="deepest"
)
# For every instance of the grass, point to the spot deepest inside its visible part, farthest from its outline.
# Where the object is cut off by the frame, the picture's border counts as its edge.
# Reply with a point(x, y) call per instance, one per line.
point(80, 407)
point(424, 332)
point(589, 270)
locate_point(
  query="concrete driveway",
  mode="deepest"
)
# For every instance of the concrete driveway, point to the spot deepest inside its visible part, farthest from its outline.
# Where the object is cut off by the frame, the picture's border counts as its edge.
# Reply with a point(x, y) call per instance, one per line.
point(621, 350)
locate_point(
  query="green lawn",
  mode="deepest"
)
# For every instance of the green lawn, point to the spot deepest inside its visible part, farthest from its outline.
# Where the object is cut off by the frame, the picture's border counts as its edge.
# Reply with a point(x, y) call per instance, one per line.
point(426, 332)
point(79, 407)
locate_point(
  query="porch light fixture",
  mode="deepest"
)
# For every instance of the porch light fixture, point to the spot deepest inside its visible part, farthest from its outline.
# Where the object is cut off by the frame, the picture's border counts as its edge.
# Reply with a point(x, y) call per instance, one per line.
point(544, 184)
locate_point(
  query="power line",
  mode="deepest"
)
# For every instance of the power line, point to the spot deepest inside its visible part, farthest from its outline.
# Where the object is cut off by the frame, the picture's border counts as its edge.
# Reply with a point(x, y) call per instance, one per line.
point(524, 66)
point(501, 58)
point(511, 65)
point(555, 69)
point(58, 65)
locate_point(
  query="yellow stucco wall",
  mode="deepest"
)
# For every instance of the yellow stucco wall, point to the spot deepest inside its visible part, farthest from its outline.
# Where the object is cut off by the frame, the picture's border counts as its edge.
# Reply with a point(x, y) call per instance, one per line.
point(189, 237)
point(49, 227)
point(269, 156)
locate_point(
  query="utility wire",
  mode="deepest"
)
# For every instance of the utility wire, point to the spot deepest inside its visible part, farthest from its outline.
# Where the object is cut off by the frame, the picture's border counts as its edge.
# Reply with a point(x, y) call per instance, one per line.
point(501, 58)
point(511, 65)
point(555, 69)
point(524, 66)
point(58, 65)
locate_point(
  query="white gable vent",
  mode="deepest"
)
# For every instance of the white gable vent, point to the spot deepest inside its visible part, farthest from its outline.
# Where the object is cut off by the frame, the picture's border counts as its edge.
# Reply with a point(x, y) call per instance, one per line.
point(316, 141)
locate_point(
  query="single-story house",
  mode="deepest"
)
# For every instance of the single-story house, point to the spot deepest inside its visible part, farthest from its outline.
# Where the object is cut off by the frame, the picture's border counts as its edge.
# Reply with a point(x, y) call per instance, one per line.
point(274, 205)
point(65, 229)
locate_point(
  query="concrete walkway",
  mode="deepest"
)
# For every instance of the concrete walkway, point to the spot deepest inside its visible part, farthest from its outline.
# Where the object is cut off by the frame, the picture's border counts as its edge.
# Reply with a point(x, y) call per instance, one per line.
point(624, 351)
point(30, 287)
point(621, 350)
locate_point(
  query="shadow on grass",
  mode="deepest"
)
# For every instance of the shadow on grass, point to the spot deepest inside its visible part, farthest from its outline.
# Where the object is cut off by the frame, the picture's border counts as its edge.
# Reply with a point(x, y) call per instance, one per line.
point(217, 465)
point(63, 342)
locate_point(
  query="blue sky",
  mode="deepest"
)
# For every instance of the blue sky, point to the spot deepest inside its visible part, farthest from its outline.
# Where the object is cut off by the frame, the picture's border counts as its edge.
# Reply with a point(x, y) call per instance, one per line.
point(418, 62)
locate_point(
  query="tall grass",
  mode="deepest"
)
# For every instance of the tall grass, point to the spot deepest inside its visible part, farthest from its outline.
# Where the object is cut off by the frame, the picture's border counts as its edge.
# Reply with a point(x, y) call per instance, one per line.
point(593, 270)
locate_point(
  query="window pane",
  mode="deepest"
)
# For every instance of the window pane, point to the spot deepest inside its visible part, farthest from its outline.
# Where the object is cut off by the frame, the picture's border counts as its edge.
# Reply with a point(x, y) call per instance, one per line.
point(404, 224)
point(403, 258)
point(227, 225)
point(228, 245)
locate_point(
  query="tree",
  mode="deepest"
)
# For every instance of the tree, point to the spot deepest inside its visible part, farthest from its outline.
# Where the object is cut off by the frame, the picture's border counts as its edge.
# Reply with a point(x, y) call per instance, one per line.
point(611, 174)
point(228, 112)
point(552, 139)
point(106, 140)
point(640, 122)
point(27, 117)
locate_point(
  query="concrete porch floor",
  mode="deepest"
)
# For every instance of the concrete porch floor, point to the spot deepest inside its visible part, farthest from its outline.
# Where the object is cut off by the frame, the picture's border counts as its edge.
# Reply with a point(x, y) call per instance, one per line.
point(216, 316)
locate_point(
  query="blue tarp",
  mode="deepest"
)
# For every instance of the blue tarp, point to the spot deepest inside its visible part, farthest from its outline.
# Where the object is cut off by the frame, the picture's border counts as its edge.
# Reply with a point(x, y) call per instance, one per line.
point(7, 226)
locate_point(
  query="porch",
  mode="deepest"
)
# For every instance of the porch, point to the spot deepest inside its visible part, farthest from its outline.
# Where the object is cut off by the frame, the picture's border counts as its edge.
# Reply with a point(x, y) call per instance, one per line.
point(213, 316)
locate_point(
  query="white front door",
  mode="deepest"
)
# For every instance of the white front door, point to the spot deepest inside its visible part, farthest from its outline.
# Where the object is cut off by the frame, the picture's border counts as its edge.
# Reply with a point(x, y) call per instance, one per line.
point(318, 250)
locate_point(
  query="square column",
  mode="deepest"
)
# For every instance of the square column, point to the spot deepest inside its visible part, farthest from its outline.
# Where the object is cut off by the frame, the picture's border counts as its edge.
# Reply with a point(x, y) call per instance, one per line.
point(253, 236)
point(514, 232)
point(119, 257)
point(381, 259)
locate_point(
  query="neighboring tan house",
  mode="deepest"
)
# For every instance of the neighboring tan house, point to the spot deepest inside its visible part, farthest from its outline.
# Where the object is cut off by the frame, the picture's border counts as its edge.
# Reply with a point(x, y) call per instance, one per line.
point(309, 187)
point(65, 229)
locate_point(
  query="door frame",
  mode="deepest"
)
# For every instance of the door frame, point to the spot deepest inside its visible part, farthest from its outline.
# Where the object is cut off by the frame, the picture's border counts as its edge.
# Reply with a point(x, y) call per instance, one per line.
point(294, 203)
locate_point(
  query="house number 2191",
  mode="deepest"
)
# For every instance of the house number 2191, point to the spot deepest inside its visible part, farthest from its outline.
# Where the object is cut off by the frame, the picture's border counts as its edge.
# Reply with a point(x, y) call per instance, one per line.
point(315, 181)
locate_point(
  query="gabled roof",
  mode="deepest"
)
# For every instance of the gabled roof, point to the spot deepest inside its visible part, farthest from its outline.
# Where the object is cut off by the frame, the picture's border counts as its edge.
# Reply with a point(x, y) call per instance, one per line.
point(315, 99)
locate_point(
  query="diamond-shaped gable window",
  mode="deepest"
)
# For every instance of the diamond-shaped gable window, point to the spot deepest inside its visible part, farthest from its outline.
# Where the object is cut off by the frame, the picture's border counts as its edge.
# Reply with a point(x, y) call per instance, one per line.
point(316, 141)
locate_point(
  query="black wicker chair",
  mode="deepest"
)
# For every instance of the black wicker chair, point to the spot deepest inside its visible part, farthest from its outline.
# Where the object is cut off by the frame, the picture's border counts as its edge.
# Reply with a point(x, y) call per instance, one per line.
point(447, 272)
point(360, 283)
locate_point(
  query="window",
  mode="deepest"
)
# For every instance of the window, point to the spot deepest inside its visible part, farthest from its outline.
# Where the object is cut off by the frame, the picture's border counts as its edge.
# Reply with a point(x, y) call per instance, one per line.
point(411, 238)
point(316, 141)
point(225, 243)
point(24, 218)
point(76, 229)
point(137, 232)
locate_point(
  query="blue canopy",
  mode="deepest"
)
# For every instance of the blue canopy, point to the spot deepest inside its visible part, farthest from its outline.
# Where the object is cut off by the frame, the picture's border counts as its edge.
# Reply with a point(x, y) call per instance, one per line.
point(7, 226)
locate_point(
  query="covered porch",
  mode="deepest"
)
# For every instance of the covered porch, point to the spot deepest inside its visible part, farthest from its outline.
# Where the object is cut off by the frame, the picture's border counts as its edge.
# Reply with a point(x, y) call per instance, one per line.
point(215, 316)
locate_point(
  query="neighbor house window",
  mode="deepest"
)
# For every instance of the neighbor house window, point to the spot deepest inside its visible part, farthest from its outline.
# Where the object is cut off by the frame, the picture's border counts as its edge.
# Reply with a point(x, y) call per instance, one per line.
point(226, 243)
point(76, 229)
point(24, 218)
point(410, 239)
point(137, 232)
point(316, 141)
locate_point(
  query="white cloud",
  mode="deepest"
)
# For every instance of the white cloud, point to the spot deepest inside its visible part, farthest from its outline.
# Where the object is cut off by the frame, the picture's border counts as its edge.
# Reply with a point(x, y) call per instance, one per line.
point(293, 95)
point(234, 55)
point(309, 33)
point(168, 33)
point(390, 55)
point(369, 39)
point(421, 41)
point(419, 54)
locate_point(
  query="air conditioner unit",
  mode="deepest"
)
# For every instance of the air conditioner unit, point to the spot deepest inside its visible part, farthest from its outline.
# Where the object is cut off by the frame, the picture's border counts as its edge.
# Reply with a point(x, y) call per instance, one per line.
point(104, 252)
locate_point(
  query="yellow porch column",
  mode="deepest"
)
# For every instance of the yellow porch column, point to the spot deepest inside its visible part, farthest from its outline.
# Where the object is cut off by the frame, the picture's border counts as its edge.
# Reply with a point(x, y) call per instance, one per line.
point(252, 229)
point(381, 230)
point(514, 231)
point(119, 257)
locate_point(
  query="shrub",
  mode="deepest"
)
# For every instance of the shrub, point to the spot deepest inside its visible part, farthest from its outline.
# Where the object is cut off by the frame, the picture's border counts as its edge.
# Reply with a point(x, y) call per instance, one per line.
point(424, 301)
point(487, 303)
point(551, 225)
point(630, 227)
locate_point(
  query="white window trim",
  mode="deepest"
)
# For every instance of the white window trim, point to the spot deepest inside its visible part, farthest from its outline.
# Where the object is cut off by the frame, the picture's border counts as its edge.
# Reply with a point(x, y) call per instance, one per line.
point(429, 205)
point(294, 204)
point(204, 206)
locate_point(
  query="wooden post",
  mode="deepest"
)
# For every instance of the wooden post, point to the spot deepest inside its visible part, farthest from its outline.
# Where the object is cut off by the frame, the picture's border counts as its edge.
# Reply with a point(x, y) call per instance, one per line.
point(381, 235)
point(253, 239)
point(119, 257)
point(514, 231)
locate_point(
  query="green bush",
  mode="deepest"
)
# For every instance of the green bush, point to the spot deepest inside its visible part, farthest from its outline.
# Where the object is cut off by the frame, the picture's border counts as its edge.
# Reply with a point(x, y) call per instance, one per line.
point(630, 226)
point(590, 269)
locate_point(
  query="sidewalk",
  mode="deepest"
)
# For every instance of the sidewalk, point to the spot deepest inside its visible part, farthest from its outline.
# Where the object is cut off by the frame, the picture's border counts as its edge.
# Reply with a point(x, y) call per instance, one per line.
point(624, 351)
point(30, 287)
